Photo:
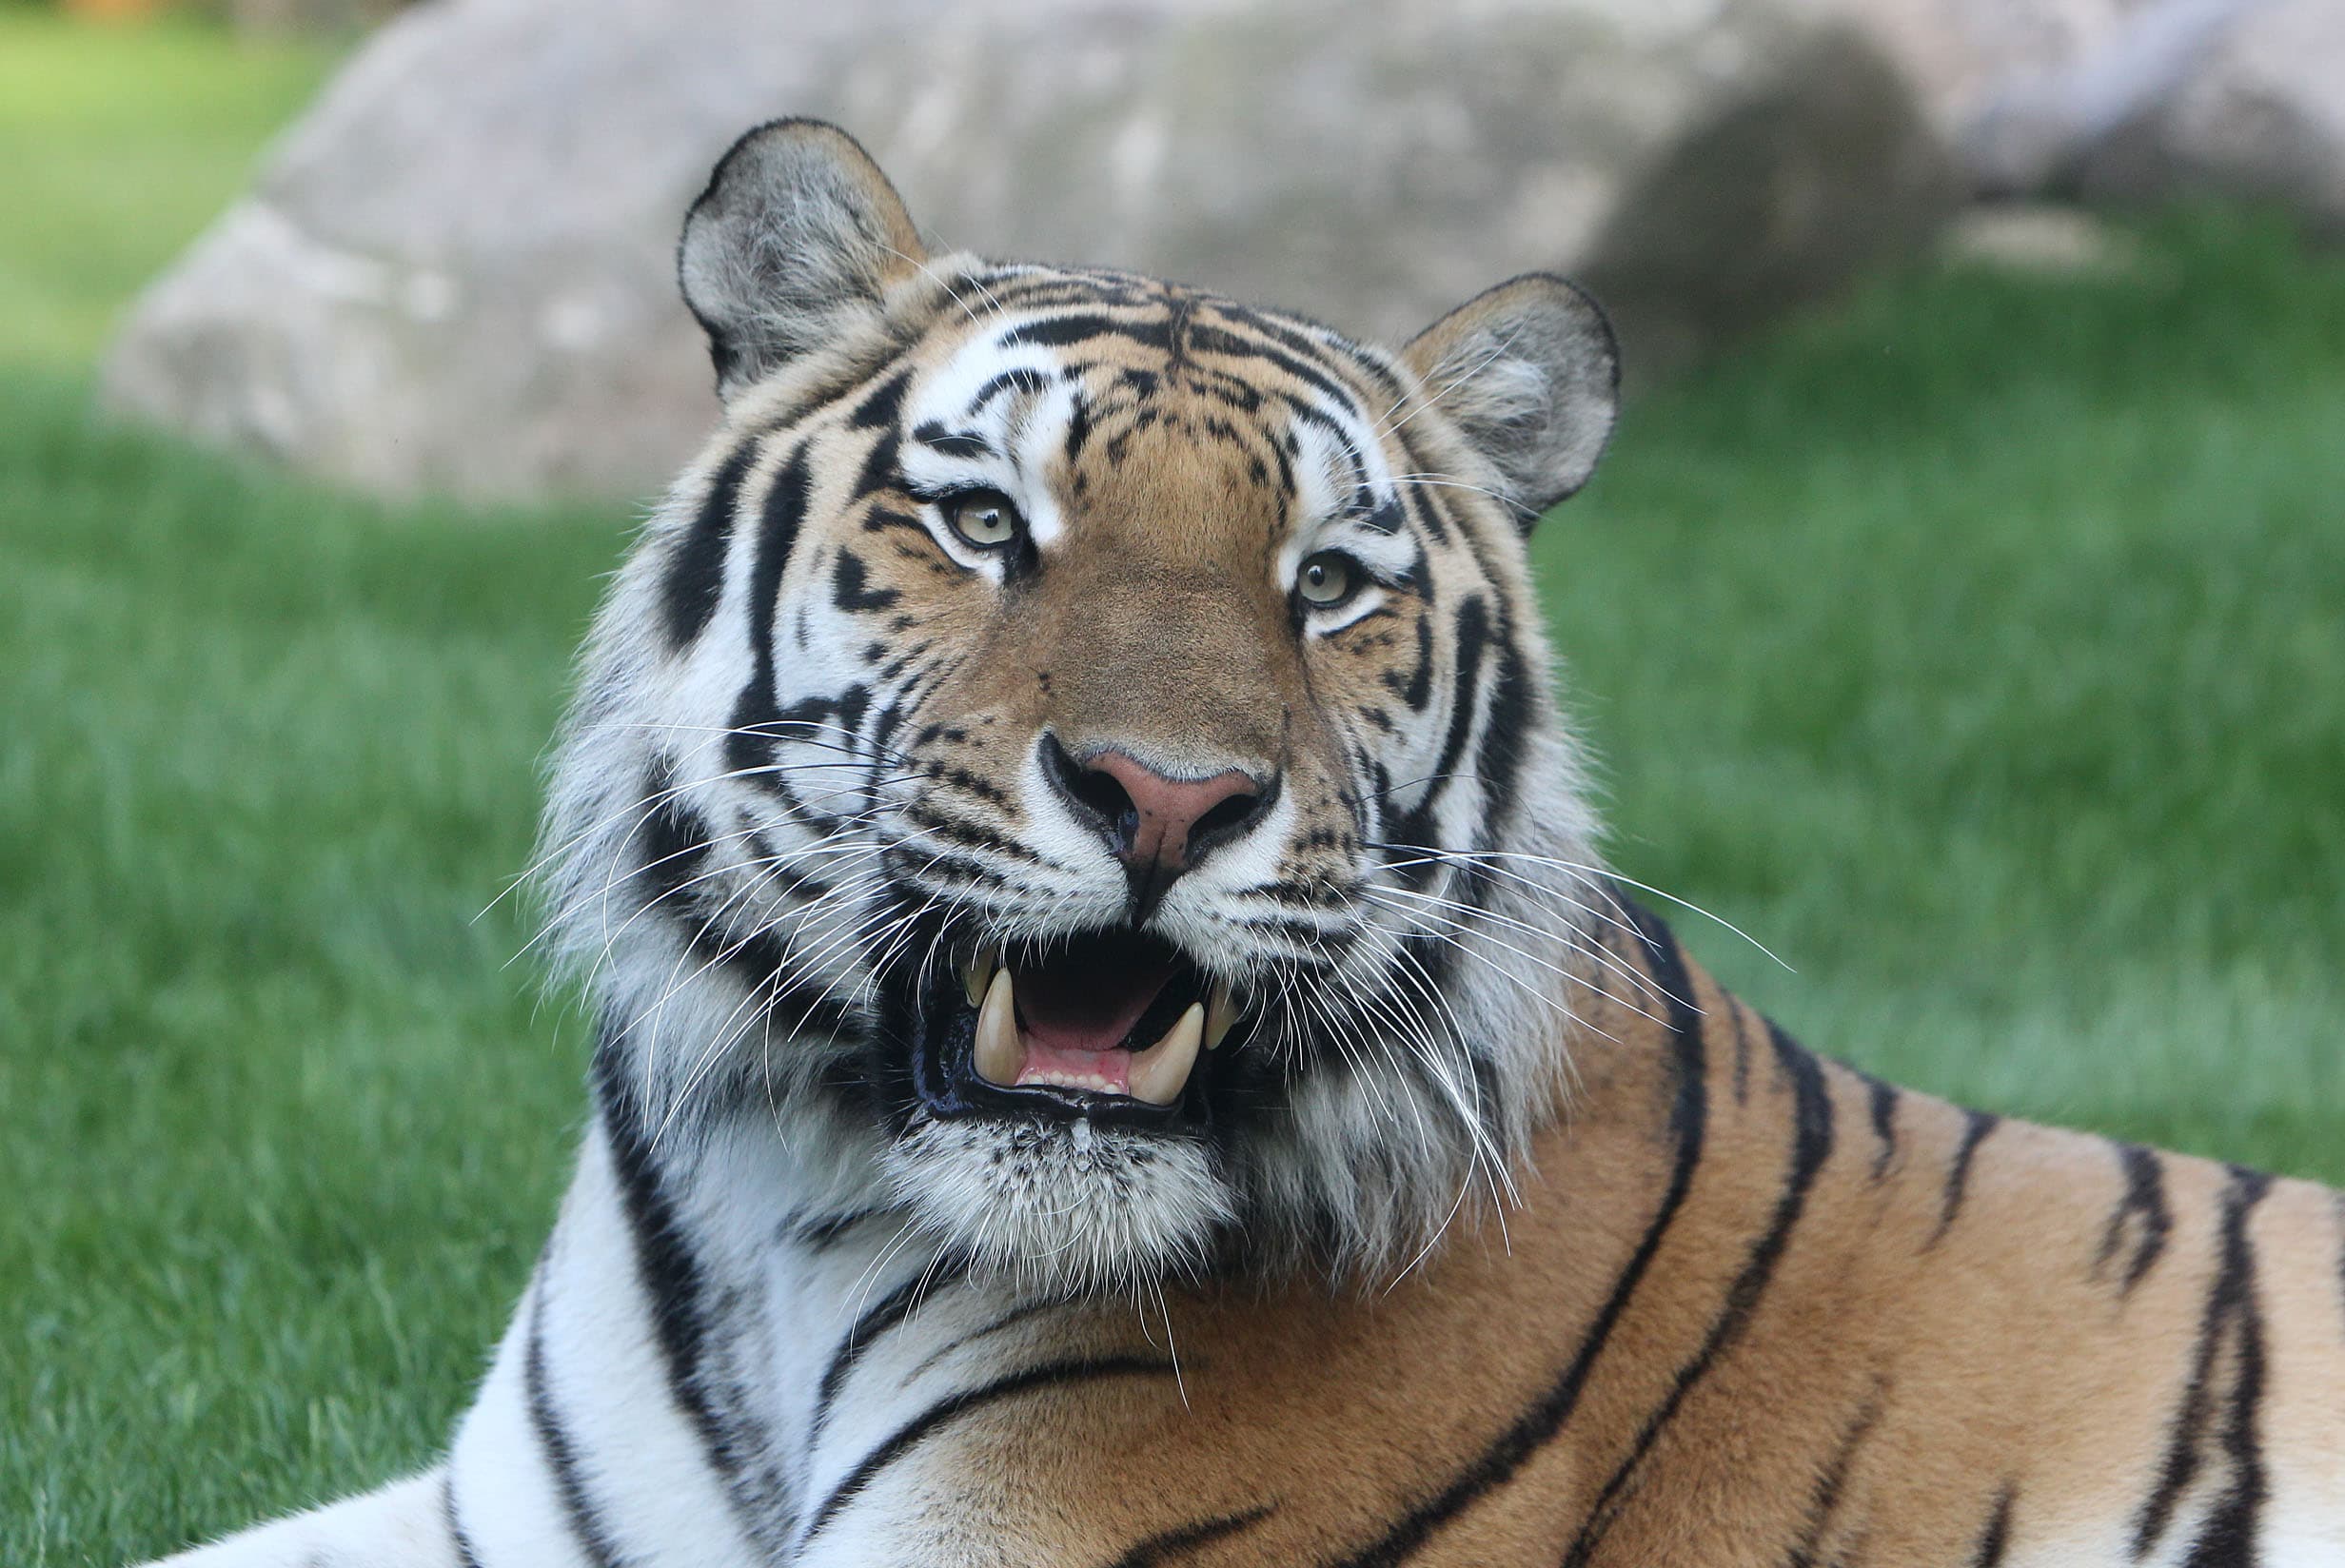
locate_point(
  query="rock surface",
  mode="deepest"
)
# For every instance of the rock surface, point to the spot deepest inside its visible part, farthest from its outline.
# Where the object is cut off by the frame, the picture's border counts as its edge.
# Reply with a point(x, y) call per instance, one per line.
point(2260, 113)
point(2129, 99)
point(2027, 126)
point(455, 273)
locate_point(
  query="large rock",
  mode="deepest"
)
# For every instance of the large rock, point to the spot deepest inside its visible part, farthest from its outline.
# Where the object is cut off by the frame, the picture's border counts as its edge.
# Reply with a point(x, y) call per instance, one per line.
point(455, 273)
point(2027, 126)
point(1963, 55)
point(2139, 100)
point(2261, 113)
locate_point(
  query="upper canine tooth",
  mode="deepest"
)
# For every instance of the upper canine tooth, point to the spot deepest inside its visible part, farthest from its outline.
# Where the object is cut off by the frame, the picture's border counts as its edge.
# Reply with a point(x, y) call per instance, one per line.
point(1160, 1072)
point(1221, 1010)
point(976, 975)
point(997, 1056)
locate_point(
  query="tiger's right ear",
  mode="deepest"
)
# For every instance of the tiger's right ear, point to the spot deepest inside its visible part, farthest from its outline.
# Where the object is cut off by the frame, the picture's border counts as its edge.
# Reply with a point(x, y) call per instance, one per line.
point(797, 234)
point(1531, 376)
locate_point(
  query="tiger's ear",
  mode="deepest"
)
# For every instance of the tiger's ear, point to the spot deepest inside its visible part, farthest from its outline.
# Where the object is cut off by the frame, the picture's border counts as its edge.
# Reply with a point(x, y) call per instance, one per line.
point(1529, 373)
point(797, 234)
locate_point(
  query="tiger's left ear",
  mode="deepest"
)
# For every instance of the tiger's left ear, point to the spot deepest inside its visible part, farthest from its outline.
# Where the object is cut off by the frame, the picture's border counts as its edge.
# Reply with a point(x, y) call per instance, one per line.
point(1529, 372)
point(797, 236)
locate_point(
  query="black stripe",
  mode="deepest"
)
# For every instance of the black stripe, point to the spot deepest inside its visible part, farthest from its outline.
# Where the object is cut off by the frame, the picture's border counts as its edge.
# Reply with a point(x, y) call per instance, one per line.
point(883, 1315)
point(1008, 1320)
point(676, 845)
point(466, 1555)
point(1811, 1142)
point(952, 443)
point(1081, 327)
point(883, 404)
point(784, 512)
point(850, 588)
point(1166, 1545)
point(1506, 730)
point(695, 577)
point(2227, 1539)
point(1976, 1126)
point(1995, 1539)
point(1025, 379)
point(905, 1437)
point(1742, 1055)
point(578, 1509)
point(2230, 1297)
point(1824, 1502)
point(1321, 379)
point(1416, 689)
point(1546, 1416)
point(1078, 428)
point(2145, 1207)
point(970, 833)
point(1418, 489)
point(664, 1266)
point(817, 1235)
point(882, 469)
point(1473, 632)
point(1883, 1099)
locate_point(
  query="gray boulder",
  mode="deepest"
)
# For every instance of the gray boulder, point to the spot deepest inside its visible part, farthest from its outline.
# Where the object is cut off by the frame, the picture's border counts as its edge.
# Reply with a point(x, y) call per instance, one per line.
point(2261, 113)
point(454, 273)
point(2026, 127)
point(2130, 100)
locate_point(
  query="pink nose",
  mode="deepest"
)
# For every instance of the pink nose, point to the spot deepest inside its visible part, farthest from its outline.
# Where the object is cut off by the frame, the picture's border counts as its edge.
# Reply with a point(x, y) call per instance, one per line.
point(1163, 815)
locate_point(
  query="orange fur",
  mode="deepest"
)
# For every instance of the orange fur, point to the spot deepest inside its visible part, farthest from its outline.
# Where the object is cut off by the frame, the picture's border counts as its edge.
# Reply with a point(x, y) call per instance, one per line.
point(1897, 1374)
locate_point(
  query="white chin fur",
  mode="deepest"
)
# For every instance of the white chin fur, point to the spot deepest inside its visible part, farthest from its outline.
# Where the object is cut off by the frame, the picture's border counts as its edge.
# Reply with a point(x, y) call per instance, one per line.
point(1068, 1209)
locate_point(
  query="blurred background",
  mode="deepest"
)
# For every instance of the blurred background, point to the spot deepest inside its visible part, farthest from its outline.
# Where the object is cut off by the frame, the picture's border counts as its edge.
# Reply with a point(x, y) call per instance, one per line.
point(1962, 611)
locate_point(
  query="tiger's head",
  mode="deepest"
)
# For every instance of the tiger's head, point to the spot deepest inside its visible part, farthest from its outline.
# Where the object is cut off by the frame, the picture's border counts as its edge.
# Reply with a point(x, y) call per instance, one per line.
point(1075, 762)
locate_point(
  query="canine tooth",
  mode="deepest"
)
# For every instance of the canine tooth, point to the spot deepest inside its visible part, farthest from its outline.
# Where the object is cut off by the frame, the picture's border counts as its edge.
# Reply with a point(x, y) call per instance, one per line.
point(997, 1056)
point(976, 975)
point(1221, 1010)
point(1160, 1072)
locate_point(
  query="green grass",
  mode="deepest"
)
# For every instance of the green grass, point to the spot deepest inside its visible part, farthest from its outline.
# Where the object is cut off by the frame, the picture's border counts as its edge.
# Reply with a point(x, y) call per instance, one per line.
point(118, 146)
point(284, 1129)
point(1981, 646)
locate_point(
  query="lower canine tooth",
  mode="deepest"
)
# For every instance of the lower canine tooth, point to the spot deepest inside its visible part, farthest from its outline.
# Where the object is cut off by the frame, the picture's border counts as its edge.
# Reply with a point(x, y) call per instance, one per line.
point(1220, 1014)
point(998, 1054)
point(1160, 1072)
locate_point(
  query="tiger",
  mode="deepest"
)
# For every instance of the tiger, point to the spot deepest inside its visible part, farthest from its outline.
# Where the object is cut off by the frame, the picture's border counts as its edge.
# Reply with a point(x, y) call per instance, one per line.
point(1117, 1046)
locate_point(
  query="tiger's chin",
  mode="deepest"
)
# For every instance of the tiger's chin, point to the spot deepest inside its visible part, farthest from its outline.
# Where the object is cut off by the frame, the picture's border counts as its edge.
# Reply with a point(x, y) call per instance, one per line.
point(1063, 1209)
point(1060, 1117)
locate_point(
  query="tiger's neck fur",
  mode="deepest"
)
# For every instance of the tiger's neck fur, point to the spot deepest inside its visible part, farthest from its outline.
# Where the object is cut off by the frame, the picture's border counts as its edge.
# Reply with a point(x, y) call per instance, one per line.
point(1754, 1307)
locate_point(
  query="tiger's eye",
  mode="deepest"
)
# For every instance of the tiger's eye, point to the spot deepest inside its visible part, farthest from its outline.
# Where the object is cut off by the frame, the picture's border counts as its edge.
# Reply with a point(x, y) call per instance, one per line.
point(984, 518)
point(1326, 578)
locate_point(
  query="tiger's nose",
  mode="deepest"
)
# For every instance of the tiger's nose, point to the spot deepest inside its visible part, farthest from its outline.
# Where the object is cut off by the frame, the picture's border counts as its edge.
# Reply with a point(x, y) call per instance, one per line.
point(1159, 826)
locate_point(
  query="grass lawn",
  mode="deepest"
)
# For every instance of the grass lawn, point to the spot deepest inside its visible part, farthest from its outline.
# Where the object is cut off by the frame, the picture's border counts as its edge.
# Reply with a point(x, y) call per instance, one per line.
point(1979, 645)
point(116, 146)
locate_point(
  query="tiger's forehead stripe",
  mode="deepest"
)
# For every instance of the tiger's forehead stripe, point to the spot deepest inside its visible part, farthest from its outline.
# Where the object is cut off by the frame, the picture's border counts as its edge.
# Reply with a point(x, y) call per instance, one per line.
point(1051, 360)
point(1021, 385)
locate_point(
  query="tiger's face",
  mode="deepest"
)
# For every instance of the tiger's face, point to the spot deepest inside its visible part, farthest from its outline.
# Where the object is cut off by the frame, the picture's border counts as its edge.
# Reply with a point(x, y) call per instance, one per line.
point(1077, 756)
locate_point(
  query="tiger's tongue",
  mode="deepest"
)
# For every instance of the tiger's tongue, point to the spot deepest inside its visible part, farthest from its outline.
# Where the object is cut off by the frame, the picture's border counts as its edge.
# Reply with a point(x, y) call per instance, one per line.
point(1078, 1007)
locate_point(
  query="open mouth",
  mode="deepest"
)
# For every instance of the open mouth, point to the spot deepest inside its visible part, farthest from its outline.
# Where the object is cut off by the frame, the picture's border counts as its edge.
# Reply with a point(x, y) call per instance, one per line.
point(1114, 1025)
